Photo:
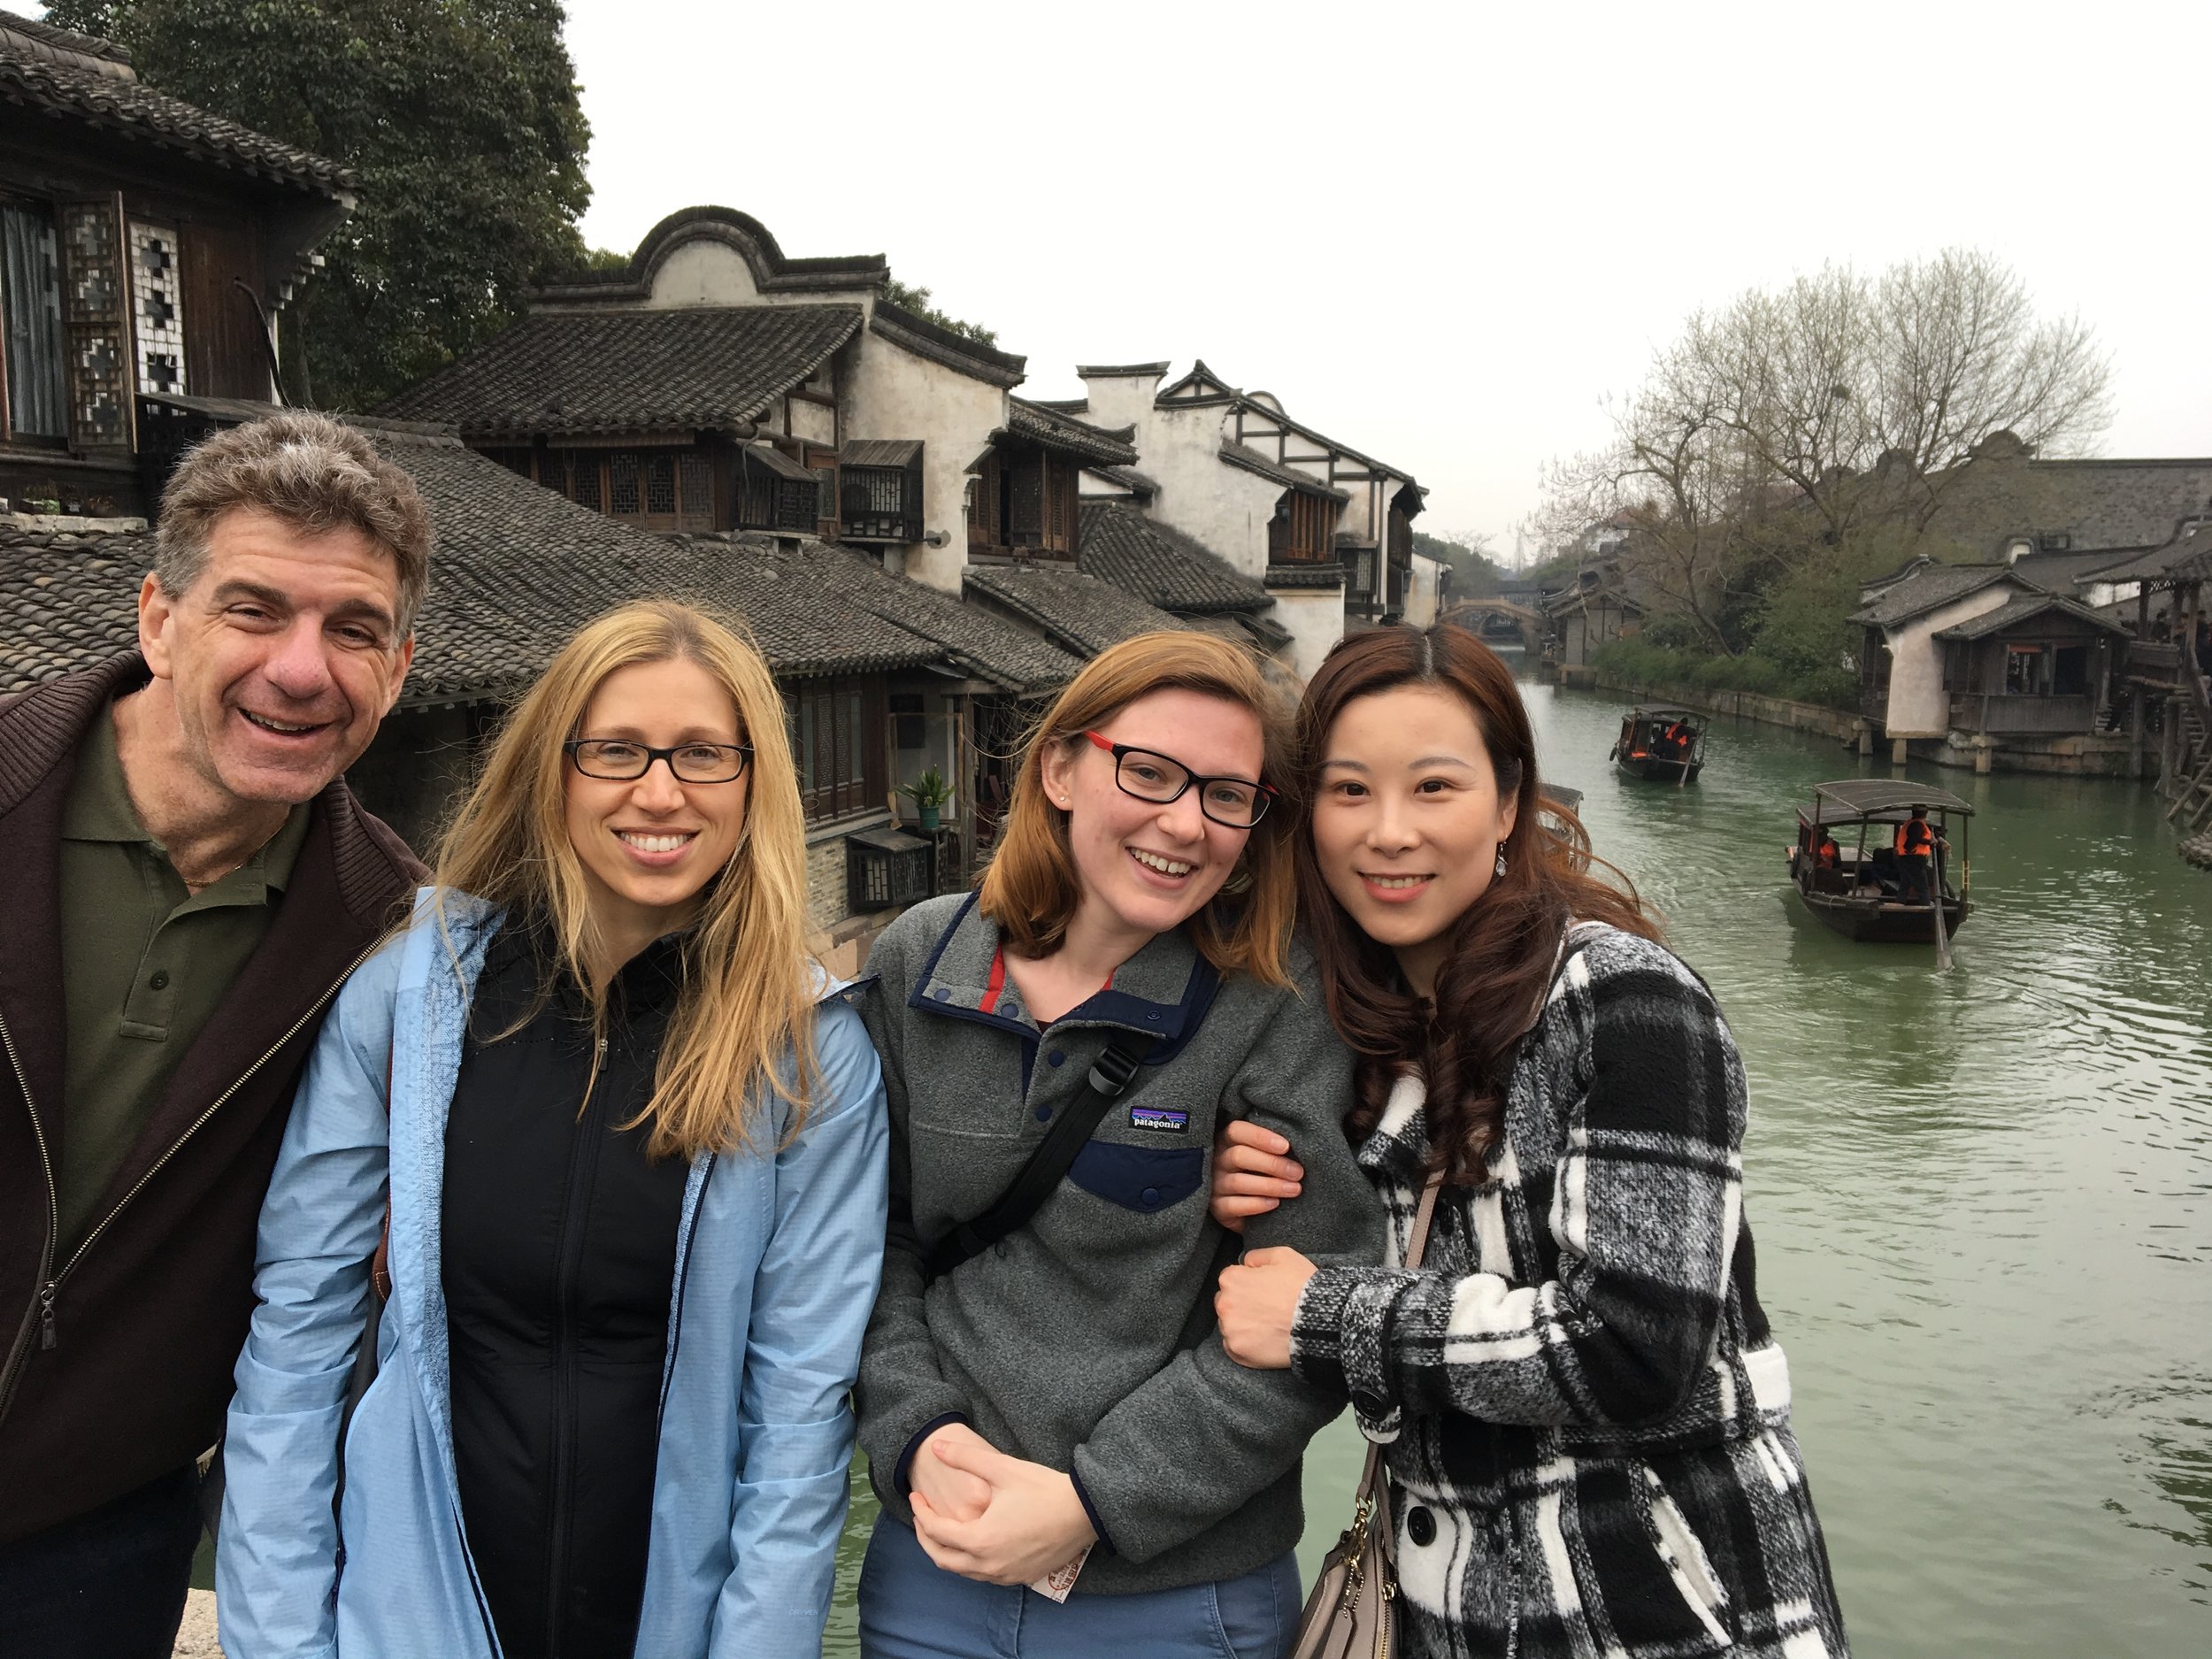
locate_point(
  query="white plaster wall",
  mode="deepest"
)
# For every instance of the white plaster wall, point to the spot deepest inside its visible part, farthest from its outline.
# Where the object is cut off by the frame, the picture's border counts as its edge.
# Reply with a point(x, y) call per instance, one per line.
point(1421, 594)
point(886, 391)
point(1315, 617)
point(1120, 400)
point(703, 273)
point(1919, 704)
point(813, 422)
point(1225, 507)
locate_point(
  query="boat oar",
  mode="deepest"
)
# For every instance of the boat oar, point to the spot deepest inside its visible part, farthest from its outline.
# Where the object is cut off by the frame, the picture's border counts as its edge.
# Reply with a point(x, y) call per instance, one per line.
point(1943, 933)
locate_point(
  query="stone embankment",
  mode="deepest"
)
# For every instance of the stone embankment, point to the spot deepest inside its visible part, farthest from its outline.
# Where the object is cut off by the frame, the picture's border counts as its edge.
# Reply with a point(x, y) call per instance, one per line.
point(1748, 705)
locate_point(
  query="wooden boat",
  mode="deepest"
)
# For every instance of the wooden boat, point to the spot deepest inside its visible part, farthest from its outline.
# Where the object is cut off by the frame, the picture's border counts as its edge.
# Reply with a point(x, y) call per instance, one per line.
point(1859, 892)
point(1664, 745)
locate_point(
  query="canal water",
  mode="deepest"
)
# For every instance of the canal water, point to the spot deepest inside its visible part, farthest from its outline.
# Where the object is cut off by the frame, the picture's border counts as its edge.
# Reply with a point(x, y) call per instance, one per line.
point(1983, 1199)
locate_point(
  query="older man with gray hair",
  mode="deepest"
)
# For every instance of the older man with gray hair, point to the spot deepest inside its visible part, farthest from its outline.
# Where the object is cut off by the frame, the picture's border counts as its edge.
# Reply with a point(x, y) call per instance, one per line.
point(188, 881)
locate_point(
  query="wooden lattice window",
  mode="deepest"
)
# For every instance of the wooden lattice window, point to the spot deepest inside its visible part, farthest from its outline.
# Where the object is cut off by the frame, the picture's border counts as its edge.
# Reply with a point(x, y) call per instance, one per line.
point(623, 498)
point(837, 739)
point(1302, 531)
point(653, 489)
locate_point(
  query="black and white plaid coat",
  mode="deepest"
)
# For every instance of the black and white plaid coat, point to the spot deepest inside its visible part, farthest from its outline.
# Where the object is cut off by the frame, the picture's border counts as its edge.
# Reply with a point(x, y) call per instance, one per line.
point(1586, 1421)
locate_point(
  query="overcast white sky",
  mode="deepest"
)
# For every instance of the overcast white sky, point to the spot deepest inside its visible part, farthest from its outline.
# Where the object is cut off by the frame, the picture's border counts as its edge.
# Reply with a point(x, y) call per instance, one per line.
point(1439, 232)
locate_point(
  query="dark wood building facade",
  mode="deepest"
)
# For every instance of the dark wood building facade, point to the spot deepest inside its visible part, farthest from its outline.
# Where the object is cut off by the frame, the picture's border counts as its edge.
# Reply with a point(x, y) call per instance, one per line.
point(145, 248)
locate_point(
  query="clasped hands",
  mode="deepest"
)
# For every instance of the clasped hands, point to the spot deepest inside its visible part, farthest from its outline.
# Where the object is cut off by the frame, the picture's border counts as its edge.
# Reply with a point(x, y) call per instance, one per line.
point(990, 1516)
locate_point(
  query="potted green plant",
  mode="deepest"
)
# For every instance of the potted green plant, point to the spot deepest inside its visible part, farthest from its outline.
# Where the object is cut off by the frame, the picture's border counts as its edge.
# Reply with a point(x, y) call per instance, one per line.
point(929, 794)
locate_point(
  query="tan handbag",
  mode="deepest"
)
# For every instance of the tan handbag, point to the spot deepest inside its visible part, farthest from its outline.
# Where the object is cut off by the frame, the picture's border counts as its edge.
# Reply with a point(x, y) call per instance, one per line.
point(1353, 1611)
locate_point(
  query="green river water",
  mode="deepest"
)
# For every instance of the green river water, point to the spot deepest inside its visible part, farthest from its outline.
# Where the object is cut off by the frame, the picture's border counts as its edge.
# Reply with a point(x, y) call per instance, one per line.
point(1983, 1199)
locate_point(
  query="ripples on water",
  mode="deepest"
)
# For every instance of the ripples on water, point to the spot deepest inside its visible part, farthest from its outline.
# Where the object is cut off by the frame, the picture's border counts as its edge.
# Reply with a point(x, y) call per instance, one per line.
point(1983, 1199)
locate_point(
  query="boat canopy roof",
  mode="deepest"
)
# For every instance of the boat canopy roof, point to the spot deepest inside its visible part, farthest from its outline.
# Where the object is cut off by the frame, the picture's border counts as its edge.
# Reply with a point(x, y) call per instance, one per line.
point(1666, 714)
point(1561, 795)
point(1887, 799)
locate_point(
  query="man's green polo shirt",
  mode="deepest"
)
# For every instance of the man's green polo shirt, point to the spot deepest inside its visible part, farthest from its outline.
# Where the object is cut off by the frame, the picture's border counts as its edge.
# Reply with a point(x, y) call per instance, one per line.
point(144, 964)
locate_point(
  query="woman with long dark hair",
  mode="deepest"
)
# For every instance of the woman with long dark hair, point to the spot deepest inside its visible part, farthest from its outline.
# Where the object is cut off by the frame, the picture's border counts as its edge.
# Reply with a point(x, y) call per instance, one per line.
point(1585, 1417)
point(627, 1147)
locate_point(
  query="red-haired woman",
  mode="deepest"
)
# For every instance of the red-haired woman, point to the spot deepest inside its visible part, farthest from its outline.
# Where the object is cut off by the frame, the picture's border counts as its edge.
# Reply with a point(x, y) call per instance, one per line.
point(1063, 1389)
point(1585, 1418)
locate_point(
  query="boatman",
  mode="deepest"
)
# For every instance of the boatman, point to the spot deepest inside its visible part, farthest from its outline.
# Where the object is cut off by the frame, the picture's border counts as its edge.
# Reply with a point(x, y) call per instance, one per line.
point(188, 879)
point(1916, 845)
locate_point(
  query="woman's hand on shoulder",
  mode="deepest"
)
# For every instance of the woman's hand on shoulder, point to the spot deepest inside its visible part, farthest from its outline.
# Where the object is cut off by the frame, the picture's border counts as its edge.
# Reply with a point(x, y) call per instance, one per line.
point(1253, 1172)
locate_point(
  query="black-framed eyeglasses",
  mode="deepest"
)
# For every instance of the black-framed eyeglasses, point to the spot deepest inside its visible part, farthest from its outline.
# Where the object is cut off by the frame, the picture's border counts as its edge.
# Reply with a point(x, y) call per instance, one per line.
point(1233, 802)
point(619, 760)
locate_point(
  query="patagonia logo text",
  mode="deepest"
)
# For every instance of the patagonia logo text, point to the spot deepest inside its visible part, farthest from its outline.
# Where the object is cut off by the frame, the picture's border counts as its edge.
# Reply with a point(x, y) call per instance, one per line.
point(1158, 1119)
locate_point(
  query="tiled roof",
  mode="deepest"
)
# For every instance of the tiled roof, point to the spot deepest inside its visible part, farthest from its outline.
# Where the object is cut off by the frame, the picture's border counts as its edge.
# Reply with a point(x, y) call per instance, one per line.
point(1924, 591)
point(971, 638)
point(77, 77)
point(66, 601)
point(1066, 433)
point(2182, 558)
point(617, 369)
point(1305, 576)
point(2022, 608)
point(2060, 571)
point(2097, 504)
point(1162, 565)
point(1143, 488)
point(517, 569)
point(915, 333)
point(1076, 612)
point(1252, 461)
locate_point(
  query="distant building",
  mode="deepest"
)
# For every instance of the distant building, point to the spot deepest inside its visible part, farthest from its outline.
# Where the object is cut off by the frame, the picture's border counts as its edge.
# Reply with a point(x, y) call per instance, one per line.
point(1326, 529)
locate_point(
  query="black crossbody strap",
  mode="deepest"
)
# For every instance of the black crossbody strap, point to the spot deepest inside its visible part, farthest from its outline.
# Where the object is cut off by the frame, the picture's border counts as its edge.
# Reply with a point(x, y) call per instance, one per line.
point(1049, 1164)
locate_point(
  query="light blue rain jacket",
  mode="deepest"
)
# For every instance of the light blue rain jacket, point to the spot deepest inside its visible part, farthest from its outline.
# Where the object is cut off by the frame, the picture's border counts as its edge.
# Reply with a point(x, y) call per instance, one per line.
point(777, 1259)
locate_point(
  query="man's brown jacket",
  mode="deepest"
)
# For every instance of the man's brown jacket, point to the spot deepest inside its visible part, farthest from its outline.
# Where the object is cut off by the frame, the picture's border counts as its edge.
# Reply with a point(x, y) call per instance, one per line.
point(117, 1360)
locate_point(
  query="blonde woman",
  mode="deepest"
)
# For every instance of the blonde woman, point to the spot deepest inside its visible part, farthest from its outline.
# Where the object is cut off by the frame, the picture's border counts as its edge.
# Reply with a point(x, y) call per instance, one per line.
point(635, 1171)
point(1058, 1403)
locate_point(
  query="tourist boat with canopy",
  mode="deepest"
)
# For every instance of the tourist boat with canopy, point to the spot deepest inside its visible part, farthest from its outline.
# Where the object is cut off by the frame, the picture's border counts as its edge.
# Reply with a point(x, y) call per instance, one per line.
point(1847, 868)
point(1664, 745)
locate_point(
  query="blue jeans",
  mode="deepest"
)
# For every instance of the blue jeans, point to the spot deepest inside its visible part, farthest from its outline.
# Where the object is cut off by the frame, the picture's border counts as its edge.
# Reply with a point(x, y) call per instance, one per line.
point(912, 1609)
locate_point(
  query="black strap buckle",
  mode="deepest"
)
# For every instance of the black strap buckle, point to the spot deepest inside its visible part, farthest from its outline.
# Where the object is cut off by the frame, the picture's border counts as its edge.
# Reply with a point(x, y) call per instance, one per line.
point(1113, 1070)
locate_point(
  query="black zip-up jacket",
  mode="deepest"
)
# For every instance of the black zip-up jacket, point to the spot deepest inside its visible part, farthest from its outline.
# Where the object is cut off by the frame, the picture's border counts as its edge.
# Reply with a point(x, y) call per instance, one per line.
point(117, 1360)
point(559, 1262)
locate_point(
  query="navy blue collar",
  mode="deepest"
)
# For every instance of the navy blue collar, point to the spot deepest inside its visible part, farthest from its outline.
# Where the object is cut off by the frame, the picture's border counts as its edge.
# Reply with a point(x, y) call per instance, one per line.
point(1163, 992)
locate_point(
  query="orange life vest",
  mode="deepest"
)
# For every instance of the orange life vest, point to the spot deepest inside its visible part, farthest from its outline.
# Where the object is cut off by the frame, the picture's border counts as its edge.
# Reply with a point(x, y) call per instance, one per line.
point(1914, 838)
point(1826, 852)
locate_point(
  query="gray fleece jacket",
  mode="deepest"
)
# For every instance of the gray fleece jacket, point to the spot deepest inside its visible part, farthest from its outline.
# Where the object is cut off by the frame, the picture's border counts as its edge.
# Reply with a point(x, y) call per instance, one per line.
point(1065, 1343)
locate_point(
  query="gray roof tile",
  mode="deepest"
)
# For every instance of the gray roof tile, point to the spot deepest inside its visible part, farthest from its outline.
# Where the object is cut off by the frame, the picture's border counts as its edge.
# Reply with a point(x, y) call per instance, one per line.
point(615, 370)
point(969, 637)
point(2024, 608)
point(1078, 613)
point(1064, 432)
point(77, 77)
point(1162, 565)
point(1924, 591)
point(516, 569)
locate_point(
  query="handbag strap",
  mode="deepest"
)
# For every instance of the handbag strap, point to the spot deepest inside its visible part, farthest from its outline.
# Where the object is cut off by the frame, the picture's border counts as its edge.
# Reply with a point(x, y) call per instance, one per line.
point(1047, 1166)
point(1371, 1488)
point(1423, 1214)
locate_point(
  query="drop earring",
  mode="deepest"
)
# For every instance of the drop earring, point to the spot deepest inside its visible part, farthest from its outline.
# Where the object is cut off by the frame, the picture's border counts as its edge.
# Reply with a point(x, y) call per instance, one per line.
point(1499, 869)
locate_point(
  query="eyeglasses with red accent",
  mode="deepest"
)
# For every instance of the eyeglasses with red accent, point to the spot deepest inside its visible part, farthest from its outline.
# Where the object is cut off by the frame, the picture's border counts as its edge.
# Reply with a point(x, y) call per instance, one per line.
point(1148, 775)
